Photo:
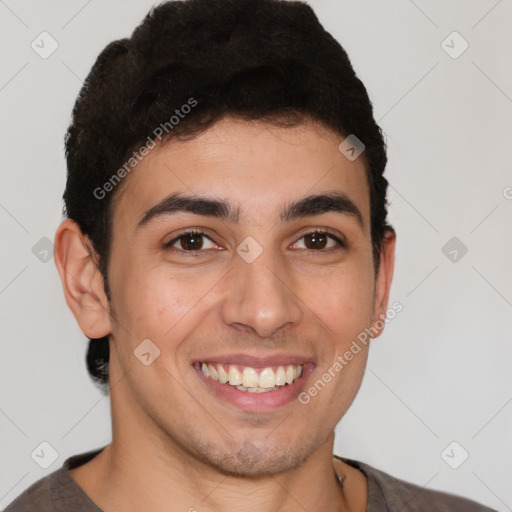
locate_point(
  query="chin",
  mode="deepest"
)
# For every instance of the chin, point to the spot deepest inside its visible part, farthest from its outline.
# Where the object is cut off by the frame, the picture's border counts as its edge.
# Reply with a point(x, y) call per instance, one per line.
point(249, 458)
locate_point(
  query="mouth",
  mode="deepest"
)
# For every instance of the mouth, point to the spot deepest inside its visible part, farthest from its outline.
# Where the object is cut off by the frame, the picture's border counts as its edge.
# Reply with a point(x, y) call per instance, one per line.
point(258, 387)
point(253, 380)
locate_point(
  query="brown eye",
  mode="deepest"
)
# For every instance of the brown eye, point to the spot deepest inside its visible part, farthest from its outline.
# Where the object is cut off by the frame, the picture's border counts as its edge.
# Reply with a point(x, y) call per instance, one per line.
point(321, 241)
point(192, 241)
point(189, 241)
point(316, 240)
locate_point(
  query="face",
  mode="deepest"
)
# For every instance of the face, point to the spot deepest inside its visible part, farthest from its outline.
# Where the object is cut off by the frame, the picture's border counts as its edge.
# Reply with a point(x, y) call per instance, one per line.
point(265, 293)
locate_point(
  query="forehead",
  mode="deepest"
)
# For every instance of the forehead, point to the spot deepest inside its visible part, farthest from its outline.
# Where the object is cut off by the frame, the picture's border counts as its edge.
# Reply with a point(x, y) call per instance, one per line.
point(257, 167)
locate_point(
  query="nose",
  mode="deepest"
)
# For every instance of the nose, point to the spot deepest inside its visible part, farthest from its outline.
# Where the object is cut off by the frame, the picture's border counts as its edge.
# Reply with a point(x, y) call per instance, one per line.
point(259, 297)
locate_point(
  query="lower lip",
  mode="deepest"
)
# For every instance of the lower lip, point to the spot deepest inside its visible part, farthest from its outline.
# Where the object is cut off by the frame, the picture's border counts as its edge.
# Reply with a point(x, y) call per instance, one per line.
point(257, 401)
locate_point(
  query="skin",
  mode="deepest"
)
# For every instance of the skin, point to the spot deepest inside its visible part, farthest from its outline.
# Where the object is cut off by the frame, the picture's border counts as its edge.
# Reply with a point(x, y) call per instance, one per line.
point(176, 445)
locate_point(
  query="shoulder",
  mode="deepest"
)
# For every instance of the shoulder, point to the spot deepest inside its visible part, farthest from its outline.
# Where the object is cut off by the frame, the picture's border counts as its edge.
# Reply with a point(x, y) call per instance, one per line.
point(410, 497)
point(57, 492)
point(400, 495)
point(36, 498)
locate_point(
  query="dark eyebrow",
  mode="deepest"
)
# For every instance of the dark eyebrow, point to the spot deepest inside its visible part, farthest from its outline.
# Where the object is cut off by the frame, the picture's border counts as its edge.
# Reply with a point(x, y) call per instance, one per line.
point(209, 207)
point(322, 203)
point(307, 206)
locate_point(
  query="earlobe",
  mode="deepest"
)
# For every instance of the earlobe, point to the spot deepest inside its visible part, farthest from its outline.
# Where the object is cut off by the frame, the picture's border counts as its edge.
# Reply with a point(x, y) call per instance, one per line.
point(81, 280)
point(383, 281)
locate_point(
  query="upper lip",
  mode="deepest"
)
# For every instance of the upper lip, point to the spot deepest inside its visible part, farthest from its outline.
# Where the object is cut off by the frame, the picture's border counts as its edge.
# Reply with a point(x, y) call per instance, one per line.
point(256, 361)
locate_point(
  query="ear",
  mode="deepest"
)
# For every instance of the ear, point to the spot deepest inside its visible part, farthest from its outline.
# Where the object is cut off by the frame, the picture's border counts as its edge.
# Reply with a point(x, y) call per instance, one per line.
point(81, 280)
point(383, 282)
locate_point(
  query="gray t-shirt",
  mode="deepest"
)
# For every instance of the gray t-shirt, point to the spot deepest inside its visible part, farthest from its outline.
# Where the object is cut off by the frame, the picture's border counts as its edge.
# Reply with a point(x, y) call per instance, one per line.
point(58, 492)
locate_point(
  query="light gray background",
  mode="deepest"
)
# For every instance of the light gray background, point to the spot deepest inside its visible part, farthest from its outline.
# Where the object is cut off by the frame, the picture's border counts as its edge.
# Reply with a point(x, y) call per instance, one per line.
point(442, 370)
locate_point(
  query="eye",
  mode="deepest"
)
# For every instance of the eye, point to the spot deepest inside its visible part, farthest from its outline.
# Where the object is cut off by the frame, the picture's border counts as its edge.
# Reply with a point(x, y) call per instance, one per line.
point(190, 241)
point(318, 241)
point(193, 242)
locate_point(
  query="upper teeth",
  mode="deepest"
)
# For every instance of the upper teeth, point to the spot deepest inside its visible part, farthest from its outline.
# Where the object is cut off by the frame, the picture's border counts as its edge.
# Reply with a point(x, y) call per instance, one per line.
point(250, 378)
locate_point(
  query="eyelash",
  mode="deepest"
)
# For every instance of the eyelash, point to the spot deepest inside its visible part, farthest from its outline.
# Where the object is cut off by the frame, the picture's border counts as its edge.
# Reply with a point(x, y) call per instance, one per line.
point(341, 243)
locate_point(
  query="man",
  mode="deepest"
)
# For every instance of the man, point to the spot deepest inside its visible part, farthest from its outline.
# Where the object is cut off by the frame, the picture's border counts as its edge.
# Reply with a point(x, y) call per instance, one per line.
point(227, 253)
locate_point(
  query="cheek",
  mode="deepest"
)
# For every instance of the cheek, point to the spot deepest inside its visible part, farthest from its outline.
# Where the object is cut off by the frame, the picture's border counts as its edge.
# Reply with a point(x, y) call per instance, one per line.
point(343, 300)
point(156, 304)
point(161, 305)
point(146, 301)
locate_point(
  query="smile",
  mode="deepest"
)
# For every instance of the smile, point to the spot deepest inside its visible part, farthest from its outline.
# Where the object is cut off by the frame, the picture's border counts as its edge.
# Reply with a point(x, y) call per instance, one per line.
point(252, 380)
